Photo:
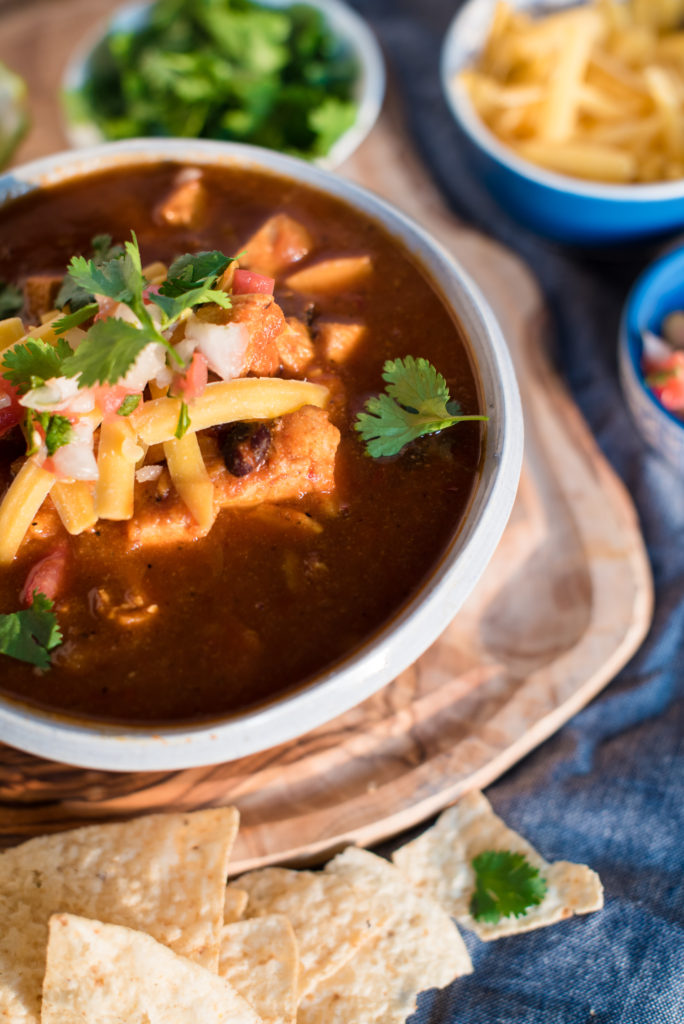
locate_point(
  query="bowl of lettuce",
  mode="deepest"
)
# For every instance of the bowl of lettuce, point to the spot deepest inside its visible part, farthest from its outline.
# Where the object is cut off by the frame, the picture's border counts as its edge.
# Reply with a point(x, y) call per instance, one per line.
point(305, 79)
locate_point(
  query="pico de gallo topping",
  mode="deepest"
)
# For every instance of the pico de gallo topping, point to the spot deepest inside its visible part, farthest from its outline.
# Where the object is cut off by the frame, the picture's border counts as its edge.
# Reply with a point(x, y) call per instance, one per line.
point(663, 363)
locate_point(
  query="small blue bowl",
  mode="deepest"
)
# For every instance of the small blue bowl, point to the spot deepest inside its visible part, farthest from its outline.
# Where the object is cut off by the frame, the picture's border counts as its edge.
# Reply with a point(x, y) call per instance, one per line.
point(657, 292)
point(567, 209)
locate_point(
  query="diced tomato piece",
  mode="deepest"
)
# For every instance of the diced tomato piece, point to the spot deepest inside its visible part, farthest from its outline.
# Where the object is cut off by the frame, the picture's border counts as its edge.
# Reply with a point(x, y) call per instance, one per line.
point(191, 384)
point(666, 380)
point(108, 397)
point(13, 413)
point(46, 576)
point(107, 307)
point(247, 282)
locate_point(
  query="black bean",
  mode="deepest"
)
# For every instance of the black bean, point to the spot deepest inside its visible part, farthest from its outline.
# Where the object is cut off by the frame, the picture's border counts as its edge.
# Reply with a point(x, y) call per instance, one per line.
point(244, 447)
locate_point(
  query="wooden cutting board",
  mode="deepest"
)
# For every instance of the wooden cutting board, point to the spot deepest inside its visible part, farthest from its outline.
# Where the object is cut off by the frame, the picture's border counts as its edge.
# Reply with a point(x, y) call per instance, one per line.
point(565, 602)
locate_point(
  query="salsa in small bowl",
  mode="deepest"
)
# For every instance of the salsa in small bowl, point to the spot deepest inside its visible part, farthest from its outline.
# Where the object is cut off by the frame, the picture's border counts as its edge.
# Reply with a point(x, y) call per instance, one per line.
point(651, 357)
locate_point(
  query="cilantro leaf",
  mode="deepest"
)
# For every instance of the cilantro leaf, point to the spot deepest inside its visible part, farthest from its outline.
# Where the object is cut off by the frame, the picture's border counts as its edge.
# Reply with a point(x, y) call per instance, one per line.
point(129, 405)
point(172, 308)
point(189, 283)
point(194, 270)
point(330, 120)
point(107, 352)
point(11, 300)
point(65, 323)
point(34, 360)
point(506, 885)
point(31, 634)
point(183, 421)
point(416, 402)
point(58, 432)
point(75, 295)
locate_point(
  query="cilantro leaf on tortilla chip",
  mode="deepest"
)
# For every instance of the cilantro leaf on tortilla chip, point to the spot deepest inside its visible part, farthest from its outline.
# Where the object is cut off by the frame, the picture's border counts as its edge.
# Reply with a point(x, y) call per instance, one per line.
point(439, 864)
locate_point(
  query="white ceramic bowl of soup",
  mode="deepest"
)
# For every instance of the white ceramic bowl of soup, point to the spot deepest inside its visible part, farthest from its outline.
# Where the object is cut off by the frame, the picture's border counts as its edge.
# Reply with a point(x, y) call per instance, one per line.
point(421, 619)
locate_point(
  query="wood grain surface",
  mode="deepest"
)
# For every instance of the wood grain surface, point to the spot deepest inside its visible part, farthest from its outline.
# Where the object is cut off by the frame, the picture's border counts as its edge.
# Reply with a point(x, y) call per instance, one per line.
point(565, 602)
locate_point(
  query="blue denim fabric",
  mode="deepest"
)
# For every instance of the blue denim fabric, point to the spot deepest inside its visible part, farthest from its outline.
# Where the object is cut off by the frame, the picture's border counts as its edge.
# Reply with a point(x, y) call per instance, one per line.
point(608, 789)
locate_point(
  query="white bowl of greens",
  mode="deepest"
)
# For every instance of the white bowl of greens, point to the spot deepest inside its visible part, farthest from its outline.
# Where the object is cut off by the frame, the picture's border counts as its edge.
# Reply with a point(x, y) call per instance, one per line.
point(305, 79)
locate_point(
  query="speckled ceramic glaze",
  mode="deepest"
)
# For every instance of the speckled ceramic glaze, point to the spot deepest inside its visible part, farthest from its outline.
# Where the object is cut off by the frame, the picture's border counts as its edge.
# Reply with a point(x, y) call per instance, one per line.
point(568, 209)
point(422, 620)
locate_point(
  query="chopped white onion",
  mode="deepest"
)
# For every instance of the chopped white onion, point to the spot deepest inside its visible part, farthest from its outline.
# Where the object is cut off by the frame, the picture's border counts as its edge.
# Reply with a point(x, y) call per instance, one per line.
point(164, 377)
point(146, 367)
point(59, 394)
point(5, 400)
point(655, 348)
point(223, 345)
point(75, 461)
point(146, 473)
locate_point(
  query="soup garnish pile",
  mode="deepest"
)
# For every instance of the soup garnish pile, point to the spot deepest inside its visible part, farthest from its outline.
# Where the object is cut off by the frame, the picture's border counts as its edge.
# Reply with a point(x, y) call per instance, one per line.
point(207, 497)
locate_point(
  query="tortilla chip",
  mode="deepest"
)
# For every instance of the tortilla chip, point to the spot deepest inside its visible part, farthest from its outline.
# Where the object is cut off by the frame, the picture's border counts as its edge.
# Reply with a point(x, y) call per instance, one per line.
point(438, 864)
point(419, 947)
point(163, 874)
point(99, 973)
point(259, 958)
point(234, 903)
point(330, 915)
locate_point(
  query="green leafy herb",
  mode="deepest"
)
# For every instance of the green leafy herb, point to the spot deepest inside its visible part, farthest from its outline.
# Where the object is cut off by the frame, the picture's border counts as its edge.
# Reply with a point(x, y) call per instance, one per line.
point(58, 432)
point(226, 69)
point(107, 352)
point(65, 323)
point(27, 365)
point(190, 283)
point(74, 294)
point(506, 885)
point(183, 421)
point(51, 428)
point(415, 402)
point(11, 300)
point(129, 405)
point(31, 634)
point(194, 270)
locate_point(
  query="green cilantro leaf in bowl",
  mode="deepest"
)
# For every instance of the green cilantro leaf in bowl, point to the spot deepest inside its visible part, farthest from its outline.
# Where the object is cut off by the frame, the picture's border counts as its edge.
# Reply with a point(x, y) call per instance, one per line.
point(264, 74)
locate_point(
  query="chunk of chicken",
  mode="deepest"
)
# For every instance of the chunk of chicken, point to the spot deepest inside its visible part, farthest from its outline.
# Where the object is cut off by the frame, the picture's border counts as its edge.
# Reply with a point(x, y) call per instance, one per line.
point(295, 347)
point(40, 292)
point(185, 206)
point(337, 341)
point(332, 276)
point(301, 460)
point(278, 243)
point(264, 321)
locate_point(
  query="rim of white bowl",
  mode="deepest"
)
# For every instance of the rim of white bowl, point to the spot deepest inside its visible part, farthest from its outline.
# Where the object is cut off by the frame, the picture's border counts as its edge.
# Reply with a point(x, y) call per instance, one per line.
point(418, 624)
point(463, 42)
point(343, 21)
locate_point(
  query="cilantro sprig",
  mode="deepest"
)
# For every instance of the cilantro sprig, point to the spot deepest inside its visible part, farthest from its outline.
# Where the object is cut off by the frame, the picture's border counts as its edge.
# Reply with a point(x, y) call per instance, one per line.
point(30, 364)
point(415, 402)
point(112, 346)
point(72, 293)
point(506, 884)
point(31, 634)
